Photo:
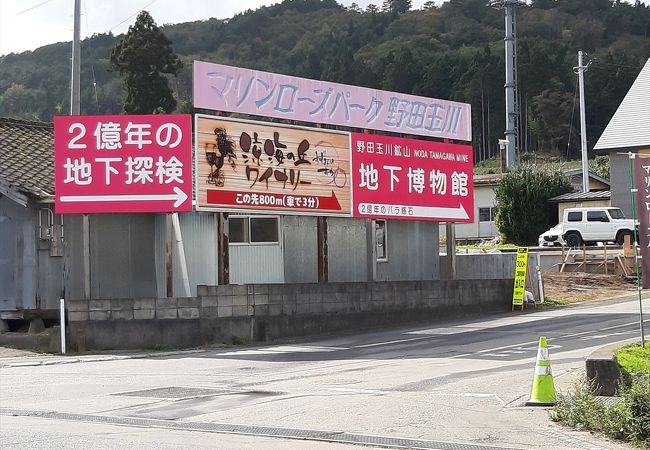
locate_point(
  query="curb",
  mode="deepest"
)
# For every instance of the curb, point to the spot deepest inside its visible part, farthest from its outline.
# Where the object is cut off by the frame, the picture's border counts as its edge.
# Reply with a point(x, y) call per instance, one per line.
point(29, 361)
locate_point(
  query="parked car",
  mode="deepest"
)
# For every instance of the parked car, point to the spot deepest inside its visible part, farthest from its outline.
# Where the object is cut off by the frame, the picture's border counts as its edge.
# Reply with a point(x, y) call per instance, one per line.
point(552, 237)
point(595, 224)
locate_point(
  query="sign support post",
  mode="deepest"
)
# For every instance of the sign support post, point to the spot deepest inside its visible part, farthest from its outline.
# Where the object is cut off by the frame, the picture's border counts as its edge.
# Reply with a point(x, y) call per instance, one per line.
point(519, 291)
point(637, 237)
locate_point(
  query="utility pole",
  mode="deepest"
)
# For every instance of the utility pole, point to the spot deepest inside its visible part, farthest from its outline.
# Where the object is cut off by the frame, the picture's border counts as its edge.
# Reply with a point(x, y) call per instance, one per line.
point(510, 141)
point(580, 70)
point(76, 56)
point(75, 110)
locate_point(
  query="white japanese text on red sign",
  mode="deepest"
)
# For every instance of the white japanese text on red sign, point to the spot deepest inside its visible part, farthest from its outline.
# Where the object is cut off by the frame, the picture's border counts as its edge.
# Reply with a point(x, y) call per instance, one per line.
point(417, 177)
point(111, 138)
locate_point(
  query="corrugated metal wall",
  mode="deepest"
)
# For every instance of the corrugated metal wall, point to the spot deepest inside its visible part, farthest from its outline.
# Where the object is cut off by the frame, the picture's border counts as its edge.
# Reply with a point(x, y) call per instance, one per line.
point(619, 174)
point(347, 249)
point(122, 255)
point(17, 256)
point(300, 251)
point(199, 233)
point(257, 263)
point(412, 249)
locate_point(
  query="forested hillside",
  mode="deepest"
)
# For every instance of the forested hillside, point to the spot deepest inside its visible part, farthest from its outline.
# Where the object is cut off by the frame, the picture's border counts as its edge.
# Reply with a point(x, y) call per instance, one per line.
point(452, 51)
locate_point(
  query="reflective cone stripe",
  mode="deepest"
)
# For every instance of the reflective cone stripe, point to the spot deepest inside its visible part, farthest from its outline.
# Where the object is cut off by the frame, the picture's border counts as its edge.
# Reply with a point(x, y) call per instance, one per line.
point(543, 390)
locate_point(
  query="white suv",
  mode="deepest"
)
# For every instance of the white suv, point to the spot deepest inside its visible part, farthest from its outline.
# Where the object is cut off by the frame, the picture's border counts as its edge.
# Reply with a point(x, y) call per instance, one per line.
point(595, 224)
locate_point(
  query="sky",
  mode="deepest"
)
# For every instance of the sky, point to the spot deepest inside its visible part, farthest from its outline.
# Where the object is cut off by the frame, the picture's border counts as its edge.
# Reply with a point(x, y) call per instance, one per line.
point(29, 24)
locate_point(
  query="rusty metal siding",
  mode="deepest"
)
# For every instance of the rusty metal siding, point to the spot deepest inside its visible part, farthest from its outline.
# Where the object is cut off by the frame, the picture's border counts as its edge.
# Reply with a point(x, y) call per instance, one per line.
point(300, 252)
point(412, 249)
point(17, 256)
point(347, 249)
point(199, 232)
point(8, 236)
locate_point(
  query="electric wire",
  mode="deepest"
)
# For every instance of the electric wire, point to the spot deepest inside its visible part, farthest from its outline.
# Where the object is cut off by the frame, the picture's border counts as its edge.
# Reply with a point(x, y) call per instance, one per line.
point(145, 6)
point(92, 65)
point(573, 110)
point(33, 7)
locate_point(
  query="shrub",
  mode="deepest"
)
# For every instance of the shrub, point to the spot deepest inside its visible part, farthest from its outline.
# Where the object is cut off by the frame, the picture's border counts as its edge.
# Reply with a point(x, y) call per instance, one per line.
point(628, 420)
point(523, 211)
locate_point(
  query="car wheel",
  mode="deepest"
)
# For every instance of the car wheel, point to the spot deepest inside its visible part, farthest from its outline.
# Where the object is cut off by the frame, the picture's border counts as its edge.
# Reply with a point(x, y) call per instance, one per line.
point(573, 239)
point(620, 237)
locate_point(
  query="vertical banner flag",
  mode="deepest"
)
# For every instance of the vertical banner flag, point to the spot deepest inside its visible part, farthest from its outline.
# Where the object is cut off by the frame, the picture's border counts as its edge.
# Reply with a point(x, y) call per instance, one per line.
point(519, 292)
point(642, 185)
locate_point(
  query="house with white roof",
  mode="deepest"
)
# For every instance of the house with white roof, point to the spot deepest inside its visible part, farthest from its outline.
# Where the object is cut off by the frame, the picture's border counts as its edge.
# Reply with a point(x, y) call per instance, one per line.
point(627, 132)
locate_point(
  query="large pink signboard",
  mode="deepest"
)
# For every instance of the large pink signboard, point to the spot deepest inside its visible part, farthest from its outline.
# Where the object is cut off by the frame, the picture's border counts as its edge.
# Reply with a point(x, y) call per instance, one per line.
point(396, 178)
point(225, 88)
point(111, 164)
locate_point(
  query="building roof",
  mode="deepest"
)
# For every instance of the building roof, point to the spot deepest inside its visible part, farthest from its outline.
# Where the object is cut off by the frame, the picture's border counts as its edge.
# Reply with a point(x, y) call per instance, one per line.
point(581, 196)
point(26, 159)
point(488, 179)
point(578, 171)
point(630, 125)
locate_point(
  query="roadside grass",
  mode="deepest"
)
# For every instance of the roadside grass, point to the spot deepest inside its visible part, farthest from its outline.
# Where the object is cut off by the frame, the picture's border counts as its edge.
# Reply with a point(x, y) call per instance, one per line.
point(634, 359)
point(566, 300)
point(484, 247)
point(629, 419)
point(553, 301)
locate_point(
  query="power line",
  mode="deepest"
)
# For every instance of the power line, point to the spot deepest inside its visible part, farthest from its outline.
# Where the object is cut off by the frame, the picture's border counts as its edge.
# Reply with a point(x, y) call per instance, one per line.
point(92, 65)
point(33, 7)
point(145, 6)
point(573, 109)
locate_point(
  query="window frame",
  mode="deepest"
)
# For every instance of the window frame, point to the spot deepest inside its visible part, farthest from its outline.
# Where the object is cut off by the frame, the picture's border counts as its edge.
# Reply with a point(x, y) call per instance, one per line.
point(568, 216)
point(384, 242)
point(602, 214)
point(491, 209)
point(249, 241)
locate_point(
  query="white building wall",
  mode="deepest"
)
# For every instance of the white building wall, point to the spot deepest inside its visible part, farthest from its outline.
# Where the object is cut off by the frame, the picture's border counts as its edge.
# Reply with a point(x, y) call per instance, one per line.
point(484, 197)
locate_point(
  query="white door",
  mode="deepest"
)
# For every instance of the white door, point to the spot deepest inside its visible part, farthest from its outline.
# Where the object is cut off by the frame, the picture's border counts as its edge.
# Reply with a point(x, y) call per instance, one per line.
point(486, 224)
point(598, 226)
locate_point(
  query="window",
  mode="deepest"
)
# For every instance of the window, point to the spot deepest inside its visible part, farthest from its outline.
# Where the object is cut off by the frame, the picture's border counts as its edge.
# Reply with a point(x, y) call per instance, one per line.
point(253, 230)
point(380, 240)
point(486, 214)
point(616, 213)
point(238, 229)
point(597, 216)
point(574, 216)
point(264, 229)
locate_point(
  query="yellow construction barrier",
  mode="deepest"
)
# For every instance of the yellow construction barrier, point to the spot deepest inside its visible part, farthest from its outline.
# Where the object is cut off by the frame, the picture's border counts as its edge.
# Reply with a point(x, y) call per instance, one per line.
point(543, 391)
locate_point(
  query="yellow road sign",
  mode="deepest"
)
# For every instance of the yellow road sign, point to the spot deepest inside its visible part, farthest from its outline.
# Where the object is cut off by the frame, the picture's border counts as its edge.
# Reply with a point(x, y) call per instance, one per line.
point(519, 292)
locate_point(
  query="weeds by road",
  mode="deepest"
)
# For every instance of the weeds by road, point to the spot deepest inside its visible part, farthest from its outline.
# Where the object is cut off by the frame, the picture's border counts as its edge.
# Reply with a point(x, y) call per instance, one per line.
point(628, 420)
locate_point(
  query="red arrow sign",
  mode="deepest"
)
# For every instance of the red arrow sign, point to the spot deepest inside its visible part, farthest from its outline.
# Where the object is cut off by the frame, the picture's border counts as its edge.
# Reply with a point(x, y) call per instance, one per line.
point(287, 202)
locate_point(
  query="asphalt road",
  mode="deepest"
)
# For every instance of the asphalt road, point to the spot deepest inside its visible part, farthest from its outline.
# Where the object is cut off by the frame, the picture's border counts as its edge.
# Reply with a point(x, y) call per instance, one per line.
point(455, 385)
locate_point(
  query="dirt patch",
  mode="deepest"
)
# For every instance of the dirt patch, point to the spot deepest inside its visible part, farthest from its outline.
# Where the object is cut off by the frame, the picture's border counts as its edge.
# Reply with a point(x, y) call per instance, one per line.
point(6, 352)
point(575, 287)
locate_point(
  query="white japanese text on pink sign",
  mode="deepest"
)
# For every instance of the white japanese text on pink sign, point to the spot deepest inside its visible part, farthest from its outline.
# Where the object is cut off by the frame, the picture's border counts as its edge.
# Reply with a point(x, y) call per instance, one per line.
point(411, 179)
point(107, 164)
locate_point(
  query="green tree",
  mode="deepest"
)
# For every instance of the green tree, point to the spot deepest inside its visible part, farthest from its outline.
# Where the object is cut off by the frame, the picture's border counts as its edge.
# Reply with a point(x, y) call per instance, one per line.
point(396, 6)
point(143, 57)
point(523, 211)
point(19, 103)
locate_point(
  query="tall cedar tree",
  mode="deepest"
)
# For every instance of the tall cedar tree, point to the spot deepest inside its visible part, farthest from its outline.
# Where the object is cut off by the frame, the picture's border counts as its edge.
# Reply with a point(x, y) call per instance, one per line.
point(143, 57)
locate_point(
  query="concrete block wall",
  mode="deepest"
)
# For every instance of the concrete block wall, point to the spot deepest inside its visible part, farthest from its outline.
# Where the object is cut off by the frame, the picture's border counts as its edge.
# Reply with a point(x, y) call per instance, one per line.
point(261, 312)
